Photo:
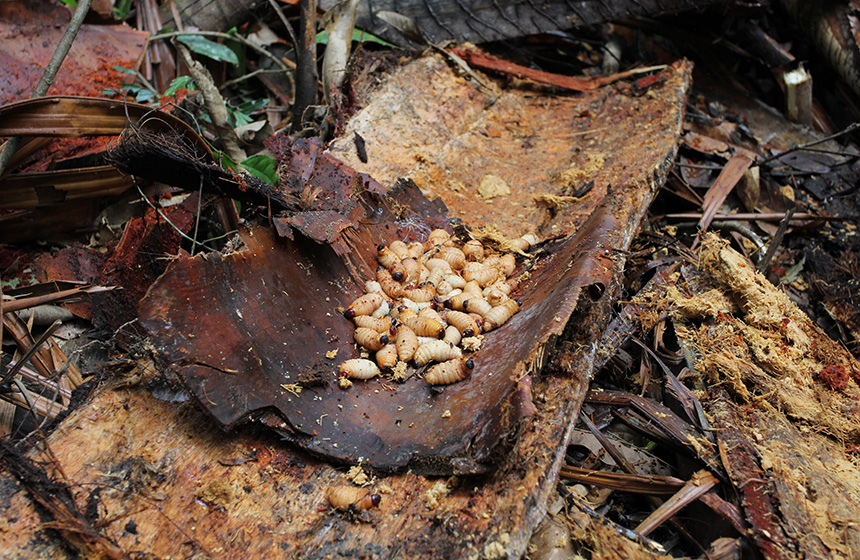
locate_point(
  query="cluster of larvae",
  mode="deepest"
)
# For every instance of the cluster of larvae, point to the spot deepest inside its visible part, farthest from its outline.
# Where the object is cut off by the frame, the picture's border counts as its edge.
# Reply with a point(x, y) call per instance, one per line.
point(428, 303)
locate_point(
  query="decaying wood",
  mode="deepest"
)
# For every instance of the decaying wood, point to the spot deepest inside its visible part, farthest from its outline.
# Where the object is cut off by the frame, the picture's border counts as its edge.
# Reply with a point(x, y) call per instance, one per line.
point(190, 488)
point(784, 446)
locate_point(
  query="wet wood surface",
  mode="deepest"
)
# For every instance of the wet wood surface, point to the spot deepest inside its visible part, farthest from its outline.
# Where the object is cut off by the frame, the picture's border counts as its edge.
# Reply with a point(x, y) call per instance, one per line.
point(165, 480)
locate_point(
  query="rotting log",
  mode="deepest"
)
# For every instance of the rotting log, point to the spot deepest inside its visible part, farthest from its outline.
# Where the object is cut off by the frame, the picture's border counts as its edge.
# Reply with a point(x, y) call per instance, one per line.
point(170, 483)
point(787, 439)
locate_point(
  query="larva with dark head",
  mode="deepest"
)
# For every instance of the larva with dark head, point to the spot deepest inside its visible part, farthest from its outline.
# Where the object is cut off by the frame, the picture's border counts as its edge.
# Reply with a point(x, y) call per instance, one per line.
point(364, 305)
point(386, 357)
point(464, 322)
point(477, 305)
point(499, 315)
point(358, 368)
point(457, 301)
point(397, 271)
point(436, 351)
point(401, 312)
point(391, 287)
point(350, 497)
point(386, 256)
point(406, 341)
point(449, 372)
point(370, 338)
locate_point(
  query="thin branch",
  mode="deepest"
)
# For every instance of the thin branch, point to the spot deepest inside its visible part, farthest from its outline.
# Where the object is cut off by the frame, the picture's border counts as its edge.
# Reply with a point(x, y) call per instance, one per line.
point(285, 21)
point(850, 128)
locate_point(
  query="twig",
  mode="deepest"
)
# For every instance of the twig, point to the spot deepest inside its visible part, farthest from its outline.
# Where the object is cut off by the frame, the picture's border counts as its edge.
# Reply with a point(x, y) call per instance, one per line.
point(11, 145)
point(166, 219)
point(848, 129)
point(284, 21)
point(775, 242)
point(29, 353)
point(751, 216)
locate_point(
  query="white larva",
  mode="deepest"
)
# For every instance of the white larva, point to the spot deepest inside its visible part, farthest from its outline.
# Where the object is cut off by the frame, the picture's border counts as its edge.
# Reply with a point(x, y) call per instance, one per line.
point(351, 497)
point(365, 305)
point(386, 357)
point(359, 368)
point(500, 314)
point(524, 243)
point(452, 335)
point(371, 339)
point(431, 313)
point(422, 294)
point(507, 264)
point(444, 288)
point(386, 256)
point(474, 250)
point(406, 342)
point(455, 280)
point(423, 326)
point(477, 305)
point(449, 372)
point(372, 286)
point(480, 273)
point(464, 322)
point(381, 325)
point(400, 249)
point(382, 310)
point(436, 351)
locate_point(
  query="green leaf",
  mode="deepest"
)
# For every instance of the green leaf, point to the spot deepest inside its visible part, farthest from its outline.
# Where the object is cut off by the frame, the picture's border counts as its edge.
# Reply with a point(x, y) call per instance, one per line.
point(357, 35)
point(237, 118)
point(365, 37)
point(241, 115)
point(179, 83)
point(143, 95)
point(262, 167)
point(121, 9)
point(125, 70)
point(202, 45)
